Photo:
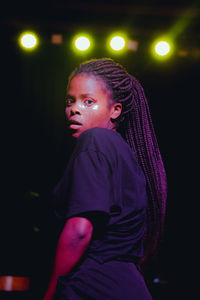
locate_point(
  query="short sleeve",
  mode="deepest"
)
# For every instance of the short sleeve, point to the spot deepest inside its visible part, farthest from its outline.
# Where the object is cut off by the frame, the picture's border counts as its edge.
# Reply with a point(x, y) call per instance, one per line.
point(89, 184)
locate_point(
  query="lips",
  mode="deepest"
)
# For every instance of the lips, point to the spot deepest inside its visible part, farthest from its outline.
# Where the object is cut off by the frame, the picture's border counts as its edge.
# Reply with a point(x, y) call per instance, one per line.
point(74, 122)
point(74, 125)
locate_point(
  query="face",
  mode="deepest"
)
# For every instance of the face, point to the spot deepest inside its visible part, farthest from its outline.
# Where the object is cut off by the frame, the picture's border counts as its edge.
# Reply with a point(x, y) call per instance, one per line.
point(87, 102)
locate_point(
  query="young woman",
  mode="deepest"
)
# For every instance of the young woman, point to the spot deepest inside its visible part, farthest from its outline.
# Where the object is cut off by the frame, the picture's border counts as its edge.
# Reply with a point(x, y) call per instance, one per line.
point(113, 193)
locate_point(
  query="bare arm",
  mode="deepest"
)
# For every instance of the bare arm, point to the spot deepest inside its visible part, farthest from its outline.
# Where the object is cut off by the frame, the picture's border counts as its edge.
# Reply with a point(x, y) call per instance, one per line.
point(72, 244)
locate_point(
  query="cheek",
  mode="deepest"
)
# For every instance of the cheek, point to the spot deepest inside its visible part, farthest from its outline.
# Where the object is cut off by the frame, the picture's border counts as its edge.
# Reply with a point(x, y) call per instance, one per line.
point(95, 107)
point(67, 111)
point(99, 110)
point(97, 116)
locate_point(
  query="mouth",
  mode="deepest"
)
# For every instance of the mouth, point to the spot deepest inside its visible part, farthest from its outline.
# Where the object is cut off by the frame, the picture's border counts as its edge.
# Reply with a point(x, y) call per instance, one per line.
point(74, 124)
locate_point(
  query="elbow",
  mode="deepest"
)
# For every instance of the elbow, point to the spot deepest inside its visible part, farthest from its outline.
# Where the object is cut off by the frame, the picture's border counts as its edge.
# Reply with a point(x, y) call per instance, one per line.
point(85, 228)
point(80, 227)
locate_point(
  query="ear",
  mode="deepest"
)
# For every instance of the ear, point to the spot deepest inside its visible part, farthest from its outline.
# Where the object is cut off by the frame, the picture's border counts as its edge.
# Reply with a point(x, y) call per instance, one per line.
point(116, 111)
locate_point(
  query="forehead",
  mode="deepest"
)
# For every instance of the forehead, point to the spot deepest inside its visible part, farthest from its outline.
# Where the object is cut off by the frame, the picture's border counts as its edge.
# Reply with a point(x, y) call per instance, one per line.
point(87, 83)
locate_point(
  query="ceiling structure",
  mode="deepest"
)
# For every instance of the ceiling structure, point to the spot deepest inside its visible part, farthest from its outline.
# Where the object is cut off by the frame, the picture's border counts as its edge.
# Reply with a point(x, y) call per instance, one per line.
point(141, 17)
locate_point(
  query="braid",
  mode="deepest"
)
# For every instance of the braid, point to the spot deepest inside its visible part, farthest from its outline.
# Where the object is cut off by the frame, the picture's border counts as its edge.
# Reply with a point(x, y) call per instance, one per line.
point(141, 136)
point(136, 127)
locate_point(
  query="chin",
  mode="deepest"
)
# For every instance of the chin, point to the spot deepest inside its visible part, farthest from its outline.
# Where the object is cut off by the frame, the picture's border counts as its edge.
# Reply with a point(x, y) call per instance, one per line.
point(75, 133)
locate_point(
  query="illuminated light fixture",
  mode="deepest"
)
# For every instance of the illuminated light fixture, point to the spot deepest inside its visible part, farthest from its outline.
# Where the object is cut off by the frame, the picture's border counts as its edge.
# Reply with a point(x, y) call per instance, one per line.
point(82, 43)
point(117, 43)
point(162, 48)
point(28, 40)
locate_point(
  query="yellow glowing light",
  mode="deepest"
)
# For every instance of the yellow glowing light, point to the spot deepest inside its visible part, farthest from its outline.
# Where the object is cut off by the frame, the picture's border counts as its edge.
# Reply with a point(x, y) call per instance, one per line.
point(117, 43)
point(28, 40)
point(162, 48)
point(82, 43)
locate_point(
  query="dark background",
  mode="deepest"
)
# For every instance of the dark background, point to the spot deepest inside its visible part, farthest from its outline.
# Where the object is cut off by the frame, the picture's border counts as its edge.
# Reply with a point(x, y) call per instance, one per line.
point(34, 143)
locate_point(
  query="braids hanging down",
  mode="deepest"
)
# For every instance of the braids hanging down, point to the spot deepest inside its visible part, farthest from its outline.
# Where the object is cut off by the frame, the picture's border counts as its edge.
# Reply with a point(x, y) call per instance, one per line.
point(136, 127)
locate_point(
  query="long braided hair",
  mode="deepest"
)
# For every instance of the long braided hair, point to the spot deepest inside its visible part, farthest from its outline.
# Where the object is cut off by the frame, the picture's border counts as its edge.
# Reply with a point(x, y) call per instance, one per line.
point(136, 127)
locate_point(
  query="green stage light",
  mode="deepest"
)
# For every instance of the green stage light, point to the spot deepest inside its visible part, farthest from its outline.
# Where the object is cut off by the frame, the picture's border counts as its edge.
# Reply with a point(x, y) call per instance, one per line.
point(28, 40)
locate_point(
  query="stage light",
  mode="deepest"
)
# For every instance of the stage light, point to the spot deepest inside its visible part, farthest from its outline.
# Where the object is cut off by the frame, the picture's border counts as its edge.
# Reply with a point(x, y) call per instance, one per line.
point(28, 40)
point(162, 48)
point(82, 43)
point(117, 43)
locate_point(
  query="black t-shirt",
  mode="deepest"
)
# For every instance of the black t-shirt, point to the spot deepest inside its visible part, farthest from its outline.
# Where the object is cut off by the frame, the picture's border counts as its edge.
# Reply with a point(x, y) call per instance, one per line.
point(104, 183)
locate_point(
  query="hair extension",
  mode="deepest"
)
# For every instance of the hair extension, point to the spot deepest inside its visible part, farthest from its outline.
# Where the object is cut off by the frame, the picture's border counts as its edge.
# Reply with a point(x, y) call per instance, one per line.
point(136, 127)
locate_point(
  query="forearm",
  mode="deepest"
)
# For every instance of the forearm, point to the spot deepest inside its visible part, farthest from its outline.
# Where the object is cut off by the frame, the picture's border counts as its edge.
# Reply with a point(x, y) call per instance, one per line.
point(66, 258)
point(68, 255)
point(70, 249)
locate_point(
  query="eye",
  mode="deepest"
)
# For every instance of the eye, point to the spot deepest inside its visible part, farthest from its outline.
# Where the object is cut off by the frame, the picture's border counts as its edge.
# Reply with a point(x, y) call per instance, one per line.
point(89, 101)
point(69, 101)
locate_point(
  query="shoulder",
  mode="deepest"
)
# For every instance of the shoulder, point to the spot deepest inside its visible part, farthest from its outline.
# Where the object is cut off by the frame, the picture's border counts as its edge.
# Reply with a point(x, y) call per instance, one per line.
point(96, 131)
point(99, 139)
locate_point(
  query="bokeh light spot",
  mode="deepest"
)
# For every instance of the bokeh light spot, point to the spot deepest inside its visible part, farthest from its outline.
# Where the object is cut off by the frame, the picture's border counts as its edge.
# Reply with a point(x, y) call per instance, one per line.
point(28, 41)
point(82, 43)
point(117, 43)
point(162, 48)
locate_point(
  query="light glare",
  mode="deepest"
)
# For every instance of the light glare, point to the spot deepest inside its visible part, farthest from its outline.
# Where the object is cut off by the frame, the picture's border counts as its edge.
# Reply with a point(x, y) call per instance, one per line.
point(28, 40)
point(82, 43)
point(162, 48)
point(117, 43)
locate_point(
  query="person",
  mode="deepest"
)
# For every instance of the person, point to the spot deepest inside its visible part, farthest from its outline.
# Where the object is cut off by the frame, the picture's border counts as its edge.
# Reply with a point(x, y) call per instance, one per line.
point(112, 196)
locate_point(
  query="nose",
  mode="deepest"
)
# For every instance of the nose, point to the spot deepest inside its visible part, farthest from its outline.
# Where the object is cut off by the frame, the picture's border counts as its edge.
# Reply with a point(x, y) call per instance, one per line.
point(73, 109)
